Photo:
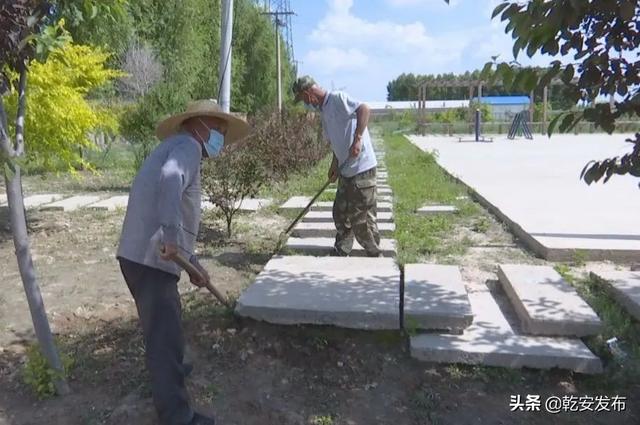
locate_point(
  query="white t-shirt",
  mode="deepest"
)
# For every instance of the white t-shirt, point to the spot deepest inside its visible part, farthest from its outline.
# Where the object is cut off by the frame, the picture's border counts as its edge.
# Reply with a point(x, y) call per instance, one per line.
point(339, 124)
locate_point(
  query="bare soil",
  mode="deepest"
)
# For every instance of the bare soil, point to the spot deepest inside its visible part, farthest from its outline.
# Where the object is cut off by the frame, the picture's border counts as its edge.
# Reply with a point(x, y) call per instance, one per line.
point(247, 372)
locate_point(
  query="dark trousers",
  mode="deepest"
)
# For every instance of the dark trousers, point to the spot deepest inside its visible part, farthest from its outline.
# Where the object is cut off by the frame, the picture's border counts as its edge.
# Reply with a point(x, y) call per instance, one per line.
point(355, 213)
point(158, 302)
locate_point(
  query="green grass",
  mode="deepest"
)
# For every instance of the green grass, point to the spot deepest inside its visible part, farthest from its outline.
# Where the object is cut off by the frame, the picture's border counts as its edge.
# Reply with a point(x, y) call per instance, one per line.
point(617, 323)
point(114, 172)
point(416, 179)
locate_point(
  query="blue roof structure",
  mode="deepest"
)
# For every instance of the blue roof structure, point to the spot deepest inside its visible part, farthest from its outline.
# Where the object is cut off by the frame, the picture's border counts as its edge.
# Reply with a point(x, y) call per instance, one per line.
point(504, 100)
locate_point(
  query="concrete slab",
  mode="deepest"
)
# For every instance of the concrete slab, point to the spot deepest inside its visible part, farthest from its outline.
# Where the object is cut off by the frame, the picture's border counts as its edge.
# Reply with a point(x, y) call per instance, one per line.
point(385, 198)
point(430, 210)
point(383, 175)
point(490, 341)
point(624, 286)
point(296, 203)
point(324, 246)
point(328, 206)
point(435, 298)
point(534, 187)
point(3, 199)
point(253, 204)
point(111, 204)
point(385, 191)
point(328, 230)
point(545, 303)
point(360, 293)
point(34, 201)
point(71, 204)
point(327, 217)
point(383, 186)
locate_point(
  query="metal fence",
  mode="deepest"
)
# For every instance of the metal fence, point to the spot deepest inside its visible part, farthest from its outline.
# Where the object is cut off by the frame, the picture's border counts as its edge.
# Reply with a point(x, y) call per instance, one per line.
point(502, 127)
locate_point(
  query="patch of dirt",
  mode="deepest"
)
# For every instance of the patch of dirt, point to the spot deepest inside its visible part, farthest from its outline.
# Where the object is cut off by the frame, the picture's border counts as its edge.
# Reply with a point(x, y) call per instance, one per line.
point(245, 372)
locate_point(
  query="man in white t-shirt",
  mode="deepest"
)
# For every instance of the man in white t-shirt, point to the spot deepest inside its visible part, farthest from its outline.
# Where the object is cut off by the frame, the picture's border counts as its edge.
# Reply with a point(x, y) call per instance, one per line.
point(344, 124)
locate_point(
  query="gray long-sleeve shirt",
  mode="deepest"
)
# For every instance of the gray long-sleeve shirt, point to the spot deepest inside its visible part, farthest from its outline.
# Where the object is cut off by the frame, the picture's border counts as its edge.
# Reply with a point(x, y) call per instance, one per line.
point(164, 204)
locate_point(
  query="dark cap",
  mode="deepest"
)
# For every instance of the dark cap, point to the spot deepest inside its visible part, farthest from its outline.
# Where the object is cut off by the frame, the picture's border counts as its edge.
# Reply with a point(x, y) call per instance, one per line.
point(303, 83)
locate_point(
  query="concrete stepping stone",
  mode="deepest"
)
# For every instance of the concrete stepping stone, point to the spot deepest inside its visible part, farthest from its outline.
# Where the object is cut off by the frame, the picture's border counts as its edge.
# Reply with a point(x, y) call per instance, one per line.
point(435, 298)
point(545, 303)
point(328, 230)
point(384, 198)
point(624, 286)
point(383, 186)
point(490, 341)
point(327, 217)
point(349, 292)
point(382, 206)
point(324, 246)
point(71, 204)
point(385, 191)
point(252, 204)
point(34, 201)
point(296, 203)
point(430, 210)
point(384, 175)
point(3, 200)
point(111, 204)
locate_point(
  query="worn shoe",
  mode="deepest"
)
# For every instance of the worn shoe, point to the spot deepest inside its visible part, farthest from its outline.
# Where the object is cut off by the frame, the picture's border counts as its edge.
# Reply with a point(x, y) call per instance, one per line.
point(199, 419)
point(338, 253)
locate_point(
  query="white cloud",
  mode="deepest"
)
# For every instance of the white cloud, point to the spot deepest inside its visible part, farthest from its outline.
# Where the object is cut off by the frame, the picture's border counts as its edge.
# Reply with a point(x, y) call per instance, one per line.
point(328, 60)
point(379, 50)
point(403, 3)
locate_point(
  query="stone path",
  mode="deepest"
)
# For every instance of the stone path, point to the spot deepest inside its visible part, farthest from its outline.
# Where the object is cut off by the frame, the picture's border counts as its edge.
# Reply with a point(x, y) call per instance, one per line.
point(435, 298)
point(325, 291)
point(72, 203)
point(624, 286)
point(429, 210)
point(545, 303)
point(491, 341)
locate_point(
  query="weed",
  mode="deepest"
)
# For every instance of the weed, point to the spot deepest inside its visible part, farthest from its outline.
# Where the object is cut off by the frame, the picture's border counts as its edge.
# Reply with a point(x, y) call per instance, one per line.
point(322, 420)
point(40, 376)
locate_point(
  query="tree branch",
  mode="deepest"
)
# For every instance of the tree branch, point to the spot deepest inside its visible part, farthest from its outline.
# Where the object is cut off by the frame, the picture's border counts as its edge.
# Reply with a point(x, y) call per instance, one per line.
point(22, 107)
point(5, 139)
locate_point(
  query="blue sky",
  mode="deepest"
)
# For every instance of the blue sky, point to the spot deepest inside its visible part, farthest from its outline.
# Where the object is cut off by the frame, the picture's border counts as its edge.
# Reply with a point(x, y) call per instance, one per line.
point(360, 45)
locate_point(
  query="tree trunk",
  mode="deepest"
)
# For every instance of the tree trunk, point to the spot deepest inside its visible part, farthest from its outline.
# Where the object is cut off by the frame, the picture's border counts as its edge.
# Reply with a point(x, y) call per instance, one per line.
point(21, 239)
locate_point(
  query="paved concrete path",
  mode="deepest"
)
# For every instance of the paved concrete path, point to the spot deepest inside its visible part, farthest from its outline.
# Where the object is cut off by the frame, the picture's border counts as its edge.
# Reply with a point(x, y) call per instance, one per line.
point(624, 286)
point(324, 246)
point(534, 186)
point(327, 217)
point(435, 298)
point(490, 341)
point(111, 204)
point(545, 303)
point(72, 203)
point(430, 210)
point(325, 291)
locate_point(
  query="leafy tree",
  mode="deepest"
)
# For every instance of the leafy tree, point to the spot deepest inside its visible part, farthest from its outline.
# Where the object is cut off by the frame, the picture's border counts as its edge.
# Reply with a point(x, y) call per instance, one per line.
point(20, 22)
point(600, 39)
point(60, 118)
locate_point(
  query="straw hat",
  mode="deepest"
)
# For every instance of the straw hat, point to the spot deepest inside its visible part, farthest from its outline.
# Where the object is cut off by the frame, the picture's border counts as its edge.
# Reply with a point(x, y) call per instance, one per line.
point(237, 128)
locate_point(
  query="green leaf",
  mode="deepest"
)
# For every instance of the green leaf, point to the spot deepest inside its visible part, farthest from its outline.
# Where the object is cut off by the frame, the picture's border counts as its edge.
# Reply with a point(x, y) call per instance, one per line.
point(553, 124)
point(567, 74)
point(498, 9)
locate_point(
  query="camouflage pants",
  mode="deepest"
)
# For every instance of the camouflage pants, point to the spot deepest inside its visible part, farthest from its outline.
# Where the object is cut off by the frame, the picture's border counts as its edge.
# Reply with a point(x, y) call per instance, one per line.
point(354, 213)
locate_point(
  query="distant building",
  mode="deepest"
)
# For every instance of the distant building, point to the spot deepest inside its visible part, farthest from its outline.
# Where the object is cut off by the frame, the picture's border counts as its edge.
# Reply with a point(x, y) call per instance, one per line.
point(383, 108)
point(503, 108)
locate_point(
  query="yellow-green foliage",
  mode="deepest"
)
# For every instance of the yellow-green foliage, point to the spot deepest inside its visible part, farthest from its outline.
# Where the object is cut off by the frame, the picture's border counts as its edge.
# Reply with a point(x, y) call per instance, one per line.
point(59, 117)
point(40, 376)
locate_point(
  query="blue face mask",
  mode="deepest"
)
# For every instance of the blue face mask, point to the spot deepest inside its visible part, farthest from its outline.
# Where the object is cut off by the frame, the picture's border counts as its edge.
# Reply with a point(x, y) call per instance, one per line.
point(214, 143)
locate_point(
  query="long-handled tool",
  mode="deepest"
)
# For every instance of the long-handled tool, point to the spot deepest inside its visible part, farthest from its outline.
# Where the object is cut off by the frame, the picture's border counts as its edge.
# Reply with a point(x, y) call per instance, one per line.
point(193, 271)
point(284, 235)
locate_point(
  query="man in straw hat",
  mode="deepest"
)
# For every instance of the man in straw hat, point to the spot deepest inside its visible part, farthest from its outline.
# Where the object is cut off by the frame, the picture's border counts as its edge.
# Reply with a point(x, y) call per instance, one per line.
point(162, 220)
point(344, 124)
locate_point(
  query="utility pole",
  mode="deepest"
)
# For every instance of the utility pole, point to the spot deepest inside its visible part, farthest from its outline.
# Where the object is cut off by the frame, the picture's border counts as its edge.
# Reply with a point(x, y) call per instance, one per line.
point(278, 24)
point(225, 55)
